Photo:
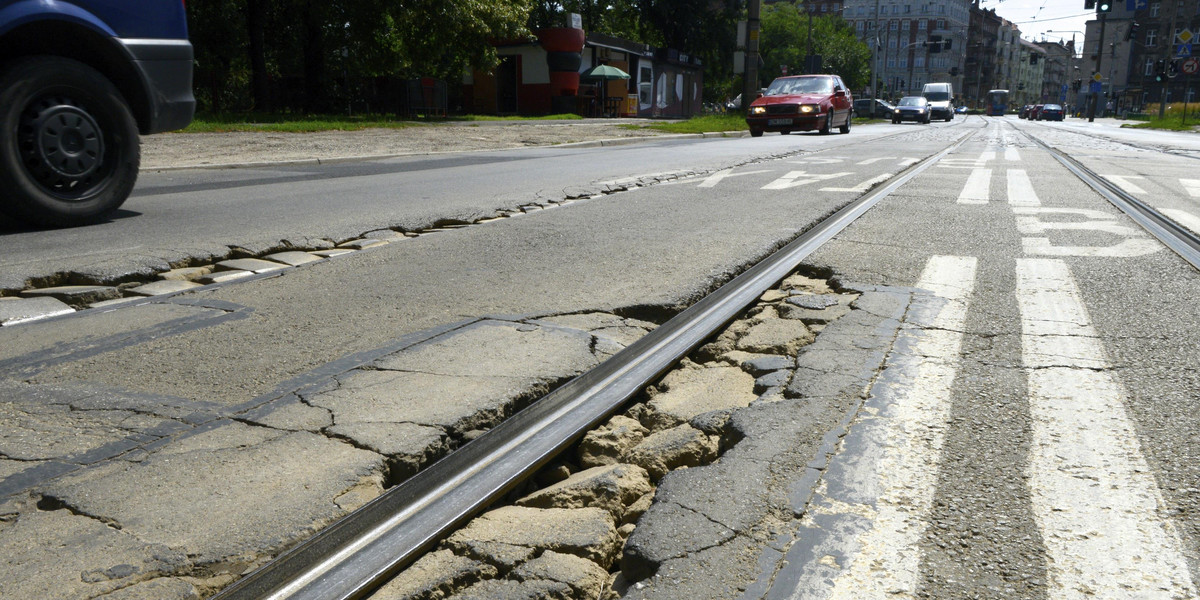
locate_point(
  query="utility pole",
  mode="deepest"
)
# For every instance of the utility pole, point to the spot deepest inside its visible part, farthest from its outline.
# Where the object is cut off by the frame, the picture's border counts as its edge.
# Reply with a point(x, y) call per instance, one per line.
point(750, 84)
point(1099, 57)
point(875, 56)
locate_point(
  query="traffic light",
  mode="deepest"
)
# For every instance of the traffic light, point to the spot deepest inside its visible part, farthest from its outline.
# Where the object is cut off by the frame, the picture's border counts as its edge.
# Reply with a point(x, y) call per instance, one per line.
point(1160, 71)
point(1173, 68)
point(1089, 4)
point(1133, 27)
point(934, 44)
point(1103, 6)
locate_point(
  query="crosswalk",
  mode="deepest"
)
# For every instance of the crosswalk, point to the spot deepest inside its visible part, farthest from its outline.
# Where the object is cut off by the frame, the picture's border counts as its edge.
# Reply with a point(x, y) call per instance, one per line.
point(1097, 506)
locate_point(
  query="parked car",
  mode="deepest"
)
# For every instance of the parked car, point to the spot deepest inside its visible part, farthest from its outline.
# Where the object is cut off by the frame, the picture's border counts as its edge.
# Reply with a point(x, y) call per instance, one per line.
point(79, 81)
point(872, 108)
point(802, 103)
point(1052, 112)
point(1035, 111)
point(961, 110)
point(912, 108)
point(1024, 114)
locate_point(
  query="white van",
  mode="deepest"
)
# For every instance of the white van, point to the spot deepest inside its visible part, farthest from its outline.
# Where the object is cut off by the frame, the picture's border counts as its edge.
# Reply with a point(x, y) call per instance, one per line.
point(941, 100)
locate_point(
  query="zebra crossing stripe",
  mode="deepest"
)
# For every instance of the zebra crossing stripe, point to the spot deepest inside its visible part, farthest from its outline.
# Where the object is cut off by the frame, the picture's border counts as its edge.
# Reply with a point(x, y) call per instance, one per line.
point(1093, 496)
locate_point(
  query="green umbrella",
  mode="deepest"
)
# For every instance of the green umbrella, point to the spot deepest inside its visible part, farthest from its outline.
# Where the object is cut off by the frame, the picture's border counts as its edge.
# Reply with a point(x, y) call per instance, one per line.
point(604, 72)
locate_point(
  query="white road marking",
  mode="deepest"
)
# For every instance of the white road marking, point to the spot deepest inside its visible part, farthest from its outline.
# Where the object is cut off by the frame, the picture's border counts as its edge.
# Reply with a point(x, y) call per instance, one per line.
point(798, 178)
point(918, 389)
point(1029, 221)
point(818, 160)
point(1093, 495)
point(875, 160)
point(1123, 181)
point(719, 176)
point(977, 188)
point(1010, 154)
point(1020, 189)
point(1039, 246)
point(862, 187)
point(1189, 221)
point(1192, 186)
point(987, 155)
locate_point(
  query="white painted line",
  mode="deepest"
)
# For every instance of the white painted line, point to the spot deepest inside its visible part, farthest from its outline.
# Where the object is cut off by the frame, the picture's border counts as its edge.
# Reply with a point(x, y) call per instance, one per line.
point(862, 187)
point(914, 422)
point(1010, 154)
point(1093, 496)
point(719, 176)
point(875, 160)
point(977, 188)
point(987, 155)
point(798, 178)
point(1040, 246)
point(1020, 189)
point(1189, 221)
point(1123, 181)
point(1192, 186)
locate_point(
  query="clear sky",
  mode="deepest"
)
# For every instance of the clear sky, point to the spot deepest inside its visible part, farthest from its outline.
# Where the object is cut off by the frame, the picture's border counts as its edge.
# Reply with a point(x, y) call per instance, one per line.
point(1037, 16)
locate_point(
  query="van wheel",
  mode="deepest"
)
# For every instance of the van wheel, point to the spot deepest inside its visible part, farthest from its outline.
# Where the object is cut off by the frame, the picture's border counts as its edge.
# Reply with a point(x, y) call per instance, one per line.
point(75, 153)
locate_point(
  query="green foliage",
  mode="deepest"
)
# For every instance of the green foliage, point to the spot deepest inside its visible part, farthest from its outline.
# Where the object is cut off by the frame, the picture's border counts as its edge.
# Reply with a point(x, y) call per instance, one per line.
point(785, 41)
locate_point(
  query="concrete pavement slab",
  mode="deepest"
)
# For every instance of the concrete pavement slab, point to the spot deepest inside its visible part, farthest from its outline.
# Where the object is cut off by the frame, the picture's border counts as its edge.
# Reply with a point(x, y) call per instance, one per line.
point(76, 295)
point(227, 496)
point(13, 312)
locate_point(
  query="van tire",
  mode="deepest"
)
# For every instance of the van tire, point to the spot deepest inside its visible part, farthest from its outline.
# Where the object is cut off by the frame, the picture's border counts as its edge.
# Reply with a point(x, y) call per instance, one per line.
point(74, 158)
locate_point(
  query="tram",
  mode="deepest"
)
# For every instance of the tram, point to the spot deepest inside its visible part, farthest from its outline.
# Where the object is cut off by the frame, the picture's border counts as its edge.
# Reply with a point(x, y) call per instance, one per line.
point(997, 103)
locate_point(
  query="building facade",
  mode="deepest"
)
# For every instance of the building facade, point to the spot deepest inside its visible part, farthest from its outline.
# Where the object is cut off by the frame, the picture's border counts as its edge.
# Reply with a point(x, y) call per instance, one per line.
point(915, 42)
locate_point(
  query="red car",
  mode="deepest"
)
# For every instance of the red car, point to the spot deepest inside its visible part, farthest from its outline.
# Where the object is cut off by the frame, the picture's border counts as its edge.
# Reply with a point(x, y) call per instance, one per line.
point(1035, 111)
point(802, 103)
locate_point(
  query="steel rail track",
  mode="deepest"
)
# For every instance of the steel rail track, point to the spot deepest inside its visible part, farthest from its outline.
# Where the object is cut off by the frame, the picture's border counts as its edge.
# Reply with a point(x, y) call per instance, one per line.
point(1175, 236)
point(361, 551)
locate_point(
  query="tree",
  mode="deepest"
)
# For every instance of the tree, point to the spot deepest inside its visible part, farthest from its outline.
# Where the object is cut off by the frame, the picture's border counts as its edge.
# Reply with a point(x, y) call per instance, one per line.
point(785, 41)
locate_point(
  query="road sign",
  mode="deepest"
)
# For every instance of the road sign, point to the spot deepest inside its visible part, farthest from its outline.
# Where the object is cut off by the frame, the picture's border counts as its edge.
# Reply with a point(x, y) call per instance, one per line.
point(1190, 66)
point(1185, 36)
point(1096, 87)
point(1097, 77)
point(1132, 5)
point(1183, 50)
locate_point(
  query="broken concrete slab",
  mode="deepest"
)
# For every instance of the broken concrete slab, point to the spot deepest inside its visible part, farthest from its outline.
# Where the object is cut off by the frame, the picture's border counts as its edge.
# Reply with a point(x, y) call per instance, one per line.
point(681, 446)
point(610, 487)
point(102, 559)
point(436, 575)
point(410, 447)
point(586, 578)
point(507, 589)
point(776, 336)
point(164, 286)
point(692, 391)
point(13, 312)
point(588, 533)
point(254, 265)
point(76, 295)
point(293, 257)
point(612, 442)
point(226, 495)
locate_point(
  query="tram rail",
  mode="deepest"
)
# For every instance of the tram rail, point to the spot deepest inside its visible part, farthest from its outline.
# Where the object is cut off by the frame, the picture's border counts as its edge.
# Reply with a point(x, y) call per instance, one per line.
point(361, 551)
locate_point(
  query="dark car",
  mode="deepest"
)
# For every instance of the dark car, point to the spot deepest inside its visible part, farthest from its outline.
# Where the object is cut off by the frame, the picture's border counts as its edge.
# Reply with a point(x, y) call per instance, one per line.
point(79, 81)
point(802, 103)
point(1035, 111)
point(912, 108)
point(1024, 114)
point(872, 108)
point(1051, 112)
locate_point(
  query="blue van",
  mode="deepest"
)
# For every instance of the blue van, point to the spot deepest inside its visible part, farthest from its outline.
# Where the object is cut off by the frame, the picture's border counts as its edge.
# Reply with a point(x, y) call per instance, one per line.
point(79, 81)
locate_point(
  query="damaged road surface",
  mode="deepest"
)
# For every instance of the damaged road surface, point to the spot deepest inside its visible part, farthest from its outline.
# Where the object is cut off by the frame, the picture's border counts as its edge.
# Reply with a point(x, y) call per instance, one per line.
point(982, 388)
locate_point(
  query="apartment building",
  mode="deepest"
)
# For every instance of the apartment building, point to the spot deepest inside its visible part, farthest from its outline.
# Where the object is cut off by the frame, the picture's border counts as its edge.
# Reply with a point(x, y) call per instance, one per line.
point(916, 41)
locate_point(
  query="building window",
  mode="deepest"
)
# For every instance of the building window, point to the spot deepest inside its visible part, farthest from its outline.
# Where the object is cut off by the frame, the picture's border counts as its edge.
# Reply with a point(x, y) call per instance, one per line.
point(904, 26)
point(1151, 37)
point(892, 43)
point(1154, 9)
point(894, 25)
point(921, 25)
point(903, 63)
point(1149, 69)
point(907, 9)
point(891, 63)
point(919, 62)
point(941, 24)
point(860, 25)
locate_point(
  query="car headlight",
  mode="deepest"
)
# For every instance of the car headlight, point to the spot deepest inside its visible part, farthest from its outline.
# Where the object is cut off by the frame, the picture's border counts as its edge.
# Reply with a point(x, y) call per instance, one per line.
point(758, 110)
point(897, 111)
point(810, 108)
